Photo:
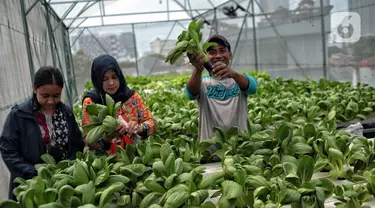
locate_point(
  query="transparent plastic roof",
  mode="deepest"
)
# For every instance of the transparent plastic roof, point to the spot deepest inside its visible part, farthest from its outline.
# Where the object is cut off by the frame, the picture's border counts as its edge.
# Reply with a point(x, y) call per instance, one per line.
point(92, 13)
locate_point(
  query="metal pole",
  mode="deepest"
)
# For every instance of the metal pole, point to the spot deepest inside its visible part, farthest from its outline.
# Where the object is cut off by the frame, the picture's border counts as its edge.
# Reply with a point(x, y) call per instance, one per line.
point(216, 22)
point(49, 28)
point(241, 29)
point(239, 37)
point(324, 43)
point(168, 17)
point(67, 62)
point(213, 22)
point(255, 37)
point(27, 40)
point(135, 50)
point(69, 51)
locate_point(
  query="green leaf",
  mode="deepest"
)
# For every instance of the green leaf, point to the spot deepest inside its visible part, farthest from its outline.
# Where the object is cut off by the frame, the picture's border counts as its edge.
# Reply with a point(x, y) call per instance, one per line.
point(289, 168)
point(309, 131)
point(192, 47)
point(54, 205)
point(301, 149)
point(260, 136)
point(331, 115)
point(104, 174)
point(207, 45)
point(94, 135)
point(110, 103)
point(88, 196)
point(232, 190)
point(291, 196)
point(335, 154)
point(92, 109)
point(9, 204)
point(88, 127)
point(261, 191)
point(176, 56)
point(305, 169)
point(283, 132)
point(308, 201)
point(124, 200)
point(47, 158)
point(320, 164)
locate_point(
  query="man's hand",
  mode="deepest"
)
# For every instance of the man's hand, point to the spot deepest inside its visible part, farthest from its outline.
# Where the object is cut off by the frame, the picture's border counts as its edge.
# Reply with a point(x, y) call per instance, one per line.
point(197, 60)
point(221, 70)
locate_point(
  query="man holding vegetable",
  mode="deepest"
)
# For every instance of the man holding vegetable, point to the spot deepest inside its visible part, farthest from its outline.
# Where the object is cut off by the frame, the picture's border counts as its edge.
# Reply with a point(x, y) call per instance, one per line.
point(222, 96)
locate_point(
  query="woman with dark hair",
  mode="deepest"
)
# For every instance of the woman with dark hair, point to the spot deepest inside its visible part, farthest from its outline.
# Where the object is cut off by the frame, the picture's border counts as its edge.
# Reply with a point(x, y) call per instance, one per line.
point(42, 124)
point(108, 78)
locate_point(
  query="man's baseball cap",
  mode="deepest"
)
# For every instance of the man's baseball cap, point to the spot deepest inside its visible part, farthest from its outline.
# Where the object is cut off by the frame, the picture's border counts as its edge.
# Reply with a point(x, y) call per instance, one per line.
point(221, 40)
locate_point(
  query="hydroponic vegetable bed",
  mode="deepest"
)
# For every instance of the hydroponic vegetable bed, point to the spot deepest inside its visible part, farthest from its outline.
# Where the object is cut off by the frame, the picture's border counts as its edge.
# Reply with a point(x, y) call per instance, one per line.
point(329, 203)
point(291, 154)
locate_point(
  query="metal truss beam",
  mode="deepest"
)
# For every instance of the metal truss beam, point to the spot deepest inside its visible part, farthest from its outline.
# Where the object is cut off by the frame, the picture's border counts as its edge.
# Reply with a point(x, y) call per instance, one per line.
point(209, 1)
point(87, 6)
point(76, 1)
point(31, 7)
point(212, 9)
point(148, 22)
point(135, 13)
point(65, 15)
point(79, 35)
point(183, 7)
point(78, 25)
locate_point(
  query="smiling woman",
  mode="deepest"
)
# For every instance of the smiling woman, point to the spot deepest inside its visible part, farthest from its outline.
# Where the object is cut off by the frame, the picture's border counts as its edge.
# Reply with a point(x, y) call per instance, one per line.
point(40, 125)
point(133, 117)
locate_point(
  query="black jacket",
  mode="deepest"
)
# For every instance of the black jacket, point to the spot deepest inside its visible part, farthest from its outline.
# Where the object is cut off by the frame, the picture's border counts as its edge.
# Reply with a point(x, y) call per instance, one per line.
point(21, 141)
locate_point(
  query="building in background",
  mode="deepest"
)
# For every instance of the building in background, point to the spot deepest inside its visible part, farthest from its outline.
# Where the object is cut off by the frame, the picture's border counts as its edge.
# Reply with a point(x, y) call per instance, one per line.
point(121, 46)
point(272, 5)
point(162, 47)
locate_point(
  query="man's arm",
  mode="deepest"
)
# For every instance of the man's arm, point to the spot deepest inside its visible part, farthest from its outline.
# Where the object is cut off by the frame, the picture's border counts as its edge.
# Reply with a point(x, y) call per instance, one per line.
point(246, 82)
point(193, 85)
point(242, 80)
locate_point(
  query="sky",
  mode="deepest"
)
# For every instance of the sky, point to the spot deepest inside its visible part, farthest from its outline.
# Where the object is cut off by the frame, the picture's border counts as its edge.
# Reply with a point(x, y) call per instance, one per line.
point(145, 33)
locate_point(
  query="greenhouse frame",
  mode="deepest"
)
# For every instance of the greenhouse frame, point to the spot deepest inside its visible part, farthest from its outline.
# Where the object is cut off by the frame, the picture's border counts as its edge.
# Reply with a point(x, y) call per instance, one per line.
point(288, 39)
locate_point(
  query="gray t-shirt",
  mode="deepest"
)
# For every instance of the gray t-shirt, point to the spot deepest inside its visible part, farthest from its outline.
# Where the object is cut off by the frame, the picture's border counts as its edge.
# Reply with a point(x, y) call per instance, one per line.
point(221, 103)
